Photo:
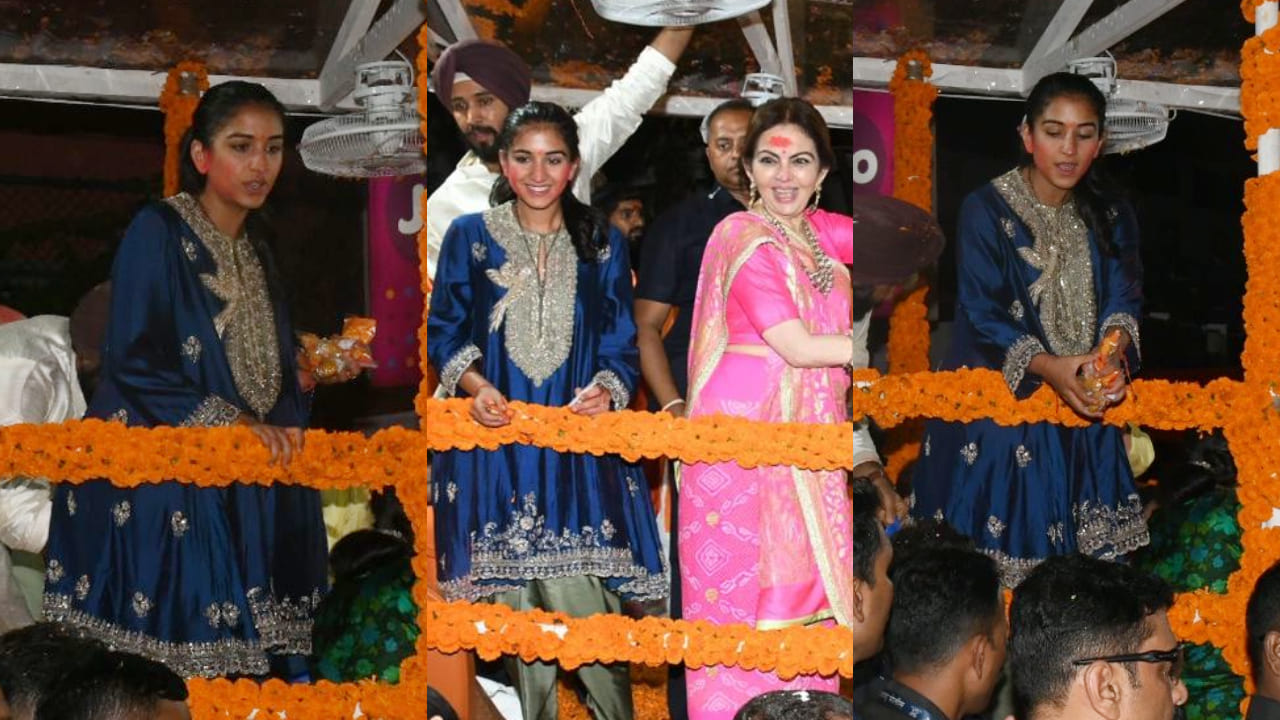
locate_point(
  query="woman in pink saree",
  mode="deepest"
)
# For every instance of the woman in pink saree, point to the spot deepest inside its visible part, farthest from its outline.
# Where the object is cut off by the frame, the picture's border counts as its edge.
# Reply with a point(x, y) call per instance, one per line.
point(773, 335)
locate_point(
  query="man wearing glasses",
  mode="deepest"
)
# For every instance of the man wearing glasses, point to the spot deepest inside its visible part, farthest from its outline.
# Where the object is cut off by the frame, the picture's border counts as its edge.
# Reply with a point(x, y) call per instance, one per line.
point(1091, 639)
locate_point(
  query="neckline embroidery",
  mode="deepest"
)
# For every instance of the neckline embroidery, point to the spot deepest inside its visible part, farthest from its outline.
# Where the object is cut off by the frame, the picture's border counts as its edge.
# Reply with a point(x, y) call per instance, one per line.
point(1064, 292)
point(246, 324)
point(537, 312)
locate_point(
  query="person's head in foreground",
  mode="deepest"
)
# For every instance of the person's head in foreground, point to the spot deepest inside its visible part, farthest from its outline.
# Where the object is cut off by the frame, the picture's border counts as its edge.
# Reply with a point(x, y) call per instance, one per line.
point(1262, 626)
point(32, 658)
point(872, 588)
point(111, 685)
point(948, 632)
point(1091, 639)
point(438, 708)
point(796, 705)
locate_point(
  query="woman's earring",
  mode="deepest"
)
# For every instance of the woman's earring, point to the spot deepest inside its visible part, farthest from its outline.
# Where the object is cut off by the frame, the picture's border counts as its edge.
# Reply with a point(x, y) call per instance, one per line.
point(817, 196)
point(754, 197)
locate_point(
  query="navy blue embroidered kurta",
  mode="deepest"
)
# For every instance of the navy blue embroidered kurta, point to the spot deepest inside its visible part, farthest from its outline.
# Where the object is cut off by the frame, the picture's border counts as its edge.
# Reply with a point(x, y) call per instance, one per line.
point(520, 513)
point(208, 581)
point(1032, 279)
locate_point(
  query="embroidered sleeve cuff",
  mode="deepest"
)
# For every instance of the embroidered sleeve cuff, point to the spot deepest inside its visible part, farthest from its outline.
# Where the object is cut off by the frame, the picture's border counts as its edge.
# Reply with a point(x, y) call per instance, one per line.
point(452, 371)
point(213, 411)
point(610, 381)
point(1125, 322)
point(1018, 358)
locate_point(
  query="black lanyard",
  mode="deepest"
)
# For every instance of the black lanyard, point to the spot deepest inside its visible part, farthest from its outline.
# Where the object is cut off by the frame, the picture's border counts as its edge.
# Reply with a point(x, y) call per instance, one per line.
point(904, 706)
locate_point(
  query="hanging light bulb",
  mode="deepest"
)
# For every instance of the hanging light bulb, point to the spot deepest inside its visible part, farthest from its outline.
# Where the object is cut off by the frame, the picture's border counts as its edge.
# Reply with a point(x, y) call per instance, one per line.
point(664, 13)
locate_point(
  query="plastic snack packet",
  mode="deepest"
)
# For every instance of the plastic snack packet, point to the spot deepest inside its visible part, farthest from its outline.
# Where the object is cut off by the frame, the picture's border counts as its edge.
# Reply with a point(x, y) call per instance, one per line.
point(1098, 374)
point(332, 357)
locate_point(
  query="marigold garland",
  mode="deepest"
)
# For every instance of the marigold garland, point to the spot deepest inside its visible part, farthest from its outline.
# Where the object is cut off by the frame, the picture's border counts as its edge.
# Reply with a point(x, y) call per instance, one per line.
point(178, 108)
point(635, 435)
point(496, 630)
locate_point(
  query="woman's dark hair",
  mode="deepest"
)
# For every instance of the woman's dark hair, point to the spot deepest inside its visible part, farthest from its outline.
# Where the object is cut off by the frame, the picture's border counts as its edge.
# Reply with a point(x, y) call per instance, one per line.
point(586, 227)
point(389, 541)
point(789, 111)
point(217, 107)
point(1095, 187)
point(1207, 464)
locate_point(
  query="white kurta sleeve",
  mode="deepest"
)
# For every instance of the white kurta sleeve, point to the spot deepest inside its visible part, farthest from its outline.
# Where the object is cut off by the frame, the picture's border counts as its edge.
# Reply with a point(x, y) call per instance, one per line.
point(606, 122)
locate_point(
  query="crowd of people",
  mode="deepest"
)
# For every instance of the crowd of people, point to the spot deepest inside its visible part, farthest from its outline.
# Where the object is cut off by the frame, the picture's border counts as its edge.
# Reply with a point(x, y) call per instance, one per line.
point(748, 299)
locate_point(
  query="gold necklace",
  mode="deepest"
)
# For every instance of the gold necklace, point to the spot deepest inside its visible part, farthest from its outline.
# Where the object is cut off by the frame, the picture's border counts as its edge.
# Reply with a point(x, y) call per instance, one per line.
point(823, 273)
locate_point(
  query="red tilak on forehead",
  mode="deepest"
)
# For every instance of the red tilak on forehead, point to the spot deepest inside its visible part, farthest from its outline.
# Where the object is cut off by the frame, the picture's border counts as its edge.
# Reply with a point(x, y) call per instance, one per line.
point(780, 141)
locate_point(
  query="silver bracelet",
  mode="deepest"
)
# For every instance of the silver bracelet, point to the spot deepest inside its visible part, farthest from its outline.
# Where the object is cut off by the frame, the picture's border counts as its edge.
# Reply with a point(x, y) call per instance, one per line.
point(673, 403)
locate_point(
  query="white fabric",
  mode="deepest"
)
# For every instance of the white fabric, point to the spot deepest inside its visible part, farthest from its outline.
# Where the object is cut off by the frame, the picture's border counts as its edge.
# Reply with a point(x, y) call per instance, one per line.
point(864, 448)
point(38, 384)
point(604, 124)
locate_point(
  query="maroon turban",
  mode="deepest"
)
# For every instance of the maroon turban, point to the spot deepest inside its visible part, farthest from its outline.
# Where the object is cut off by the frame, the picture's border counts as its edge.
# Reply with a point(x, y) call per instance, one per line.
point(494, 67)
point(892, 240)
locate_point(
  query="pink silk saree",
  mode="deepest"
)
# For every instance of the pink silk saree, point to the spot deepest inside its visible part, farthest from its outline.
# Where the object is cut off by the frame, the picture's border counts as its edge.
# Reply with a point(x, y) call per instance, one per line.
point(768, 546)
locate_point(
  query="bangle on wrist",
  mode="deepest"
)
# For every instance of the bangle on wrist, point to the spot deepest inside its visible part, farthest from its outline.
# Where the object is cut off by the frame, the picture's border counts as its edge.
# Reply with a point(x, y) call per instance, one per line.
point(673, 403)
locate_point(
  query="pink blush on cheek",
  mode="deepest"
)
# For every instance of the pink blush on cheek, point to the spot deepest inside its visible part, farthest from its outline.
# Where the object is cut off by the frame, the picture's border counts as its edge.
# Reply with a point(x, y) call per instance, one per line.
point(778, 141)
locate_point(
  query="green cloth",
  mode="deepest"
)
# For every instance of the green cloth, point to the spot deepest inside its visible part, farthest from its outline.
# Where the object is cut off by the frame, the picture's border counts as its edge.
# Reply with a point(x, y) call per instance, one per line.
point(367, 627)
point(1197, 545)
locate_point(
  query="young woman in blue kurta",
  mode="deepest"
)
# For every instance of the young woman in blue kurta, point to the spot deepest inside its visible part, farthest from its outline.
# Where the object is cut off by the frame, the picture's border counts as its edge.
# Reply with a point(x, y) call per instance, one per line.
point(209, 581)
point(1046, 265)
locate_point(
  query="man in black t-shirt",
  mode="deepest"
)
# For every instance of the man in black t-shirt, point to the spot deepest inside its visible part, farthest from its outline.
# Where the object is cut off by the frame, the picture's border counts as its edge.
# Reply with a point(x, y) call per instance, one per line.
point(671, 257)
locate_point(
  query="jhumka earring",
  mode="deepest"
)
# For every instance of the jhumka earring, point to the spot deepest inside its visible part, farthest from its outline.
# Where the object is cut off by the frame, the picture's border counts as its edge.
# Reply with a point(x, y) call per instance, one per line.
point(754, 197)
point(817, 196)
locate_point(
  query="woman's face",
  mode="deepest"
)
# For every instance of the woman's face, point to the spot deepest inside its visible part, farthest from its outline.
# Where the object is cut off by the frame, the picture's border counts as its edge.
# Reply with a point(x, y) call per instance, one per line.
point(538, 166)
point(1063, 142)
point(243, 159)
point(785, 170)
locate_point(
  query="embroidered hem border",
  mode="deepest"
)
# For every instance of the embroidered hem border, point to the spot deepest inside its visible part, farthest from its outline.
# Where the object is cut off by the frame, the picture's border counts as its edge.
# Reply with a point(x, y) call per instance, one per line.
point(213, 659)
point(451, 373)
point(1018, 358)
point(1126, 322)
point(512, 573)
point(617, 389)
point(1116, 531)
point(283, 625)
point(213, 411)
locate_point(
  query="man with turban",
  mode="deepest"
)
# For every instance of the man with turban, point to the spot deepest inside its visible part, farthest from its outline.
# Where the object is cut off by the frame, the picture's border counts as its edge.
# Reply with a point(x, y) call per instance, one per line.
point(481, 81)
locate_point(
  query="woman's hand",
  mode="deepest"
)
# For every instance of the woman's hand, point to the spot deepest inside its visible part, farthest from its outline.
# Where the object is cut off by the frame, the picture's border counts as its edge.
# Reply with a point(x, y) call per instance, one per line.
point(892, 505)
point(595, 400)
point(489, 408)
point(282, 442)
point(1063, 375)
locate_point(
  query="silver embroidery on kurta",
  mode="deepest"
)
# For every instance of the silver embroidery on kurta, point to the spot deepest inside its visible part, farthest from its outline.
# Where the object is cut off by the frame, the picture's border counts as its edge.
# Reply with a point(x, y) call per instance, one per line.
point(617, 389)
point(928, 446)
point(1022, 455)
point(1125, 322)
point(191, 348)
point(451, 490)
point(213, 411)
point(120, 512)
point(246, 323)
point(995, 527)
point(1015, 310)
point(141, 604)
point(479, 251)
point(970, 453)
point(53, 572)
point(1054, 533)
point(71, 503)
point(456, 366)
point(538, 308)
point(189, 248)
point(213, 614)
point(121, 416)
point(1064, 292)
point(1018, 357)
point(179, 524)
point(83, 585)
point(1010, 229)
